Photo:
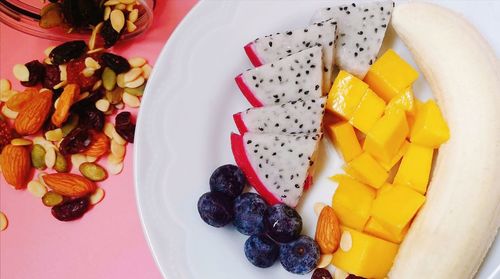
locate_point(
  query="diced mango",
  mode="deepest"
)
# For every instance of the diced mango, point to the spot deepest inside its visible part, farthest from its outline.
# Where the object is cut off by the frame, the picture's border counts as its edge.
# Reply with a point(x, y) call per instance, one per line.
point(345, 140)
point(415, 168)
point(384, 188)
point(388, 165)
point(404, 101)
point(367, 256)
point(395, 208)
point(367, 170)
point(369, 110)
point(430, 128)
point(387, 136)
point(352, 202)
point(411, 118)
point(345, 95)
point(390, 75)
point(376, 229)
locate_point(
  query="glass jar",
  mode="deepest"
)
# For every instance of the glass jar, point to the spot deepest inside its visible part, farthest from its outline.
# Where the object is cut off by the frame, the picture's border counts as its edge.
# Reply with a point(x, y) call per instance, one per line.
point(24, 16)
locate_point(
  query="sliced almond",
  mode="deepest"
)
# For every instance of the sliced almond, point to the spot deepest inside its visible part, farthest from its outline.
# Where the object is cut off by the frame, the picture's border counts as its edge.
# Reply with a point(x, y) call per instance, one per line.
point(120, 106)
point(115, 168)
point(117, 20)
point(131, 27)
point(346, 241)
point(117, 149)
point(325, 260)
point(77, 160)
point(318, 207)
point(97, 85)
point(146, 71)
point(127, 2)
point(92, 63)
point(83, 95)
point(36, 188)
point(21, 142)
point(54, 135)
point(133, 15)
point(9, 113)
point(93, 37)
point(97, 196)
point(21, 72)
point(131, 100)
point(121, 7)
point(61, 84)
point(109, 130)
point(102, 105)
point(132, 75)
point(91, 159)
point(88, 72)
point(63, 73)
point(136, 83)
point(114, 159)
point(50, 157)
point(120, 80)
point(137, 62)
point(107, 13)
point(47, 61)
point(3, 221)
point(48, 50)
point(5, 85)
point(95, 50)
point(130, 7)
point(7, 94)
point(111, 2)
point(40, 178)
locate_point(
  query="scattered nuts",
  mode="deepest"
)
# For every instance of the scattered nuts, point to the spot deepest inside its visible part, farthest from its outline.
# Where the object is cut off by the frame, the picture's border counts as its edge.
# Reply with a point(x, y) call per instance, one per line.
point(97, 196)
point(137, 62)
point(120, 7)
point(48, 50)
point(111, 3)
point(133, 15)
point(146, 71)
point(328, 231)
point(5, 85)
point(127, 2)
point(63, 73)
point(114, 96)
point(120, 106)
point(346, 241)
point(96, 30)
point(36, 188)
point(54, 135)
point(97, 85)
point(108, 79)
point(95, 50)
point(117, 20)
point(91, 63)
point(50, 157)
point(131, 27)
point(83, 95)
point(131, 100)
point(120, 80)
point(107, 13)
point(117, 150)
point(61, 84)
point(5, 95)
point(51, 199)
point(9, 113)
point(136, 83)
point(21, 72)
point(93, 171)
point(21, 142)
point(3, 221)
point(61, 164)
point(115, 168)
point(77, 160)
point(70, 124)
point(102, 105)
point(325, 260)
point(91, 159)
point(38, 157)
point(88, 72)
point(132, 75)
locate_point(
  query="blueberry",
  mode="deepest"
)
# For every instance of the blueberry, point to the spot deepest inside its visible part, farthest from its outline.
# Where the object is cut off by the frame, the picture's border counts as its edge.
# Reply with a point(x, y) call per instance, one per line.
point(249, 211)
point(300, 256)
point(261, 251)
point(282, 223)
point(215, 209)
point(321, 273)
point(228, 180)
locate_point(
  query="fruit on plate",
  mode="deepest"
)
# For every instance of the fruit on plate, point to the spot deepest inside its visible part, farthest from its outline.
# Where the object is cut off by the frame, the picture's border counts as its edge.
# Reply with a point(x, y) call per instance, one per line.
point(228, 180)
point(298, 76)
point(345, 140)
point(361, 28)
point(295, 117)
point(450, 236)
point(282, 223)
point(249, 209)
point(261, 251)
point(215, 209)
point(300, 256)
point(277, 166)
point(280, 45)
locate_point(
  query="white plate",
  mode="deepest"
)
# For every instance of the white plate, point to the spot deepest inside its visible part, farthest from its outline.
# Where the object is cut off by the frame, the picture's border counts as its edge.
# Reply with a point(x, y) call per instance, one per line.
point(186, 119)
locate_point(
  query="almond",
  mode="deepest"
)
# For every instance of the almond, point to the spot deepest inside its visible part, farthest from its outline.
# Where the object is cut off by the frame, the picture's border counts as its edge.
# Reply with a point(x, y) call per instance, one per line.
point(33, 114)
point(70, 185)
point(99, 147)
point(18, 101)
point(68, 97)
point(16, 165)
point(328, 231)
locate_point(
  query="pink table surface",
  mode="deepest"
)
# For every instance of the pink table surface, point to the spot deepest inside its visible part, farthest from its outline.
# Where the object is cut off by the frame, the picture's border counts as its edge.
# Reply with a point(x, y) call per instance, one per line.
point(108, 242)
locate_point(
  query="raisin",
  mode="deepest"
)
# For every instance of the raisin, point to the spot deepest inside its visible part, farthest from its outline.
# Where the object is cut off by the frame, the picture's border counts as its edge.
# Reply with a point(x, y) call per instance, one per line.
point(90, 118)
point(117, 63)
point(81, 13)
point(67, 52)
point(352, 276)
point(71, 210)
point(321, 273)
point(37, 73)
point(5, 134)
point(76, 141)
point(52, 76)
point(124, 126)
point(109, 35)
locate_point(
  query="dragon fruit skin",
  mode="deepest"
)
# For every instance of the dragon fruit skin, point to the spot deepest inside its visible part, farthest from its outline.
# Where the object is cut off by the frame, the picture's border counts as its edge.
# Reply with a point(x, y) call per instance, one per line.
point(295, 117)
point(289, 167)
point(273, 47)
point(297, 76)
point(361, 30)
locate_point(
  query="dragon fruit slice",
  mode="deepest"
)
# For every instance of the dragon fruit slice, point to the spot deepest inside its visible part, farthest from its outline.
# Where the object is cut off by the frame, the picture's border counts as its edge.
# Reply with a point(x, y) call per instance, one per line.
point(295, 117)
point(273, 47)
point(298, 76)
point(361, 30)
point(277, 166)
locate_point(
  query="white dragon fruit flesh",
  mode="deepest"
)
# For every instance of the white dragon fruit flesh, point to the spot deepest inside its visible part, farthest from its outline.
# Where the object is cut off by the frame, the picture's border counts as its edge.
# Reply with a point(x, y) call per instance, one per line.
point(295, 117)
point(273, 47)
point(361, 29)
point(277, 166)
point(298, 76)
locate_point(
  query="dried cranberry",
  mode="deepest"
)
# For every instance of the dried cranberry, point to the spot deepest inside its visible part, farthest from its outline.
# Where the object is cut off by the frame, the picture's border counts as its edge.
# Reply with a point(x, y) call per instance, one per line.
point(37, 73)
point(74, 72)
point(81, 13)
point(352, 276)
point(5, 134)
point(123, 119)
point(78, 140)
point(321, 273)
point(124, 126)
point(109, 34)
point(52, 76)
point(89, 116)
point(117, 63)
point(67, 51)
point(71, 210)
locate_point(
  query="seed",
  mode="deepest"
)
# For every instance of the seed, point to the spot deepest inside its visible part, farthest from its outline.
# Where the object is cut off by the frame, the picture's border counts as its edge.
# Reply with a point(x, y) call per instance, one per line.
point(131, 27)
point(139, 91)
point(83, 95)
point(107, 13)
point(40, 178)
point(127, 2)
point(61, 163)
point(50, 157)
point(113, 159)
point(93, 37)
point(77, 160)
point(120, 7)
point(43, 142)
point(38, 157)
point(9, 113)
point(88, 72)
point(3, 221)
point(7, 94)
point(91, 159)
point(325, 260)
point(117, 20)
point(93, 171)
point(21, 72)
point(63, 73)
point(130, 7)
point(115, 96)
point(36, 188)
point(97, 85)
point(95, 50)
point(51, 199)
point(137, 62)
point(109, 130)
point(61, 84)
point(102, 105)
point(120, 106)
point(117, 150)
point(346, 241)
point(146, 71)
point(21, 142)
point(5, 85)
point(97, 196)
point(111, 2)
point(132, 75)
point(133, 15)
point(136, 83)
point(70, 124)
point(47, 61)
point(108, 79)
point(54, 135)
point(48, 50)
point(91, 63)
point(131, 100)
point(115, 168)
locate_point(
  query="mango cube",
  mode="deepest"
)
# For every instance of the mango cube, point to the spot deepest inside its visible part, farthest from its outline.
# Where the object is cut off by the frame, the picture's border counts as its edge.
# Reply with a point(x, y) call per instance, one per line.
point(430, 128)
point(376, 229)
point(395, 208)
point(345, 95)
point(402, 151)
point(390, 75)
point(384, 188)
point(367, 170)
point(387, 136)
point(369, 110)
point(344, 138)
point(352, 202)
point(415, 168)
point(405, 101)
point(367, 256)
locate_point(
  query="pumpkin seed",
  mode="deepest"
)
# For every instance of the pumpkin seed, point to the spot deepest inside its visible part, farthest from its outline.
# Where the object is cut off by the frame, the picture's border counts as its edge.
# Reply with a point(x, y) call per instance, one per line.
point(36, 188)
point(70, 124)
point(61, 164)
point(51, 199)
point(115, 168)
point(139, 91)
point(9, 113)
point(108, 79)
point(91, 63)
point(120, 80)
point(102, 105)
point(117, 20)
point(38, 157)
point(133, 15)
point(21, 142)
point(5, 85)
point(131, 27)
point(78, 159)
point(21, 72)
point(114, 96)
point(97, 196)
point(93, 171)
point(54, 135)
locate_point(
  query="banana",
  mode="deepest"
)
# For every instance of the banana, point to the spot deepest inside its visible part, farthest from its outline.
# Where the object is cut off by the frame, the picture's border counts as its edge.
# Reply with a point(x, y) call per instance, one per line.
point(453, 231)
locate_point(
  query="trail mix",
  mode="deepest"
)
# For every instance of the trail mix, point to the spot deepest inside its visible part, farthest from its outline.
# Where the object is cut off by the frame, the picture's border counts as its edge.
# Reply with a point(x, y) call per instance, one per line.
point(66, 121)
point(107, 20)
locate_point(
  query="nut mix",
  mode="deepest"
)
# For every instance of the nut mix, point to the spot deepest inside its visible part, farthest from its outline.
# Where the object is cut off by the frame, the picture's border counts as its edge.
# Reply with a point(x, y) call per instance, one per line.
point(65, 115)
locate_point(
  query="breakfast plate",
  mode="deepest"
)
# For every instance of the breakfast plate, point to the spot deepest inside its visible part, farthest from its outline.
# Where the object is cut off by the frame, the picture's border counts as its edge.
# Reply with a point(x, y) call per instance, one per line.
point(183, 132)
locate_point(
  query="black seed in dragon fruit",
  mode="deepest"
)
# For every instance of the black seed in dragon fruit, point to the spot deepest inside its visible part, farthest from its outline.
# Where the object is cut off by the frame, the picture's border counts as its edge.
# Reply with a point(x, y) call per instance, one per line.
point(298, 76)
point(295, 117)
point(278, 166)
point(361, 29)
point(273, 47)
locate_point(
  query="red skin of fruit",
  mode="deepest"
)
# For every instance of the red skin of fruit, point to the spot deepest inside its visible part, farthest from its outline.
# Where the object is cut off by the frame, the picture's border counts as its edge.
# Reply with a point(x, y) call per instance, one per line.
point(240, 124)
point(240, 156)
point(254, 58)
point(247, 92)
